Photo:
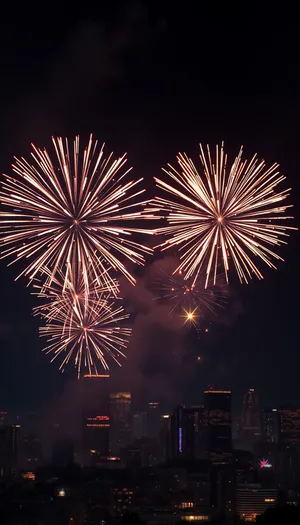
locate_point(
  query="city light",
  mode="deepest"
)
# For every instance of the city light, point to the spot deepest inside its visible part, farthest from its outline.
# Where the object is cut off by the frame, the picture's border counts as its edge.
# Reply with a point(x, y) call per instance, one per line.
point(264, 463)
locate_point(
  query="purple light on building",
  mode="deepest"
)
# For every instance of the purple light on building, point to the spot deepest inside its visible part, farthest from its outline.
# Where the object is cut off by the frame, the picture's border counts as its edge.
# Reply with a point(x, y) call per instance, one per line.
point(180, 439)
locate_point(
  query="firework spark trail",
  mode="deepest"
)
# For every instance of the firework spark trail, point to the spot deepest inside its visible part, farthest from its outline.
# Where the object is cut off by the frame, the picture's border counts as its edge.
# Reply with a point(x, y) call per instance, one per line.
point(82, 330)
point(61, 292)
point(226, 214)
point(75, 214)
point(186, 296)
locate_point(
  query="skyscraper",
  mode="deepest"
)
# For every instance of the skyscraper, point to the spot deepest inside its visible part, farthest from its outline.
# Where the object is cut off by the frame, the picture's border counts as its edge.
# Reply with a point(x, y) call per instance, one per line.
point(153, 419)
point(120, 430)
point(270, 425)
point(31, 451)
point(177, 422)
point(96, 430)
point(95, 418)
point(217, 421)
point(95, 393)
point(250, 420)
point(9, 441)
point(165, 438)
point(186, 427)
point(139, 425)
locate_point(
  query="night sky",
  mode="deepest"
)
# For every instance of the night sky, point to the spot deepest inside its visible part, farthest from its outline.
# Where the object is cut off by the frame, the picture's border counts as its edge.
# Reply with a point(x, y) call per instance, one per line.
point(152, 79)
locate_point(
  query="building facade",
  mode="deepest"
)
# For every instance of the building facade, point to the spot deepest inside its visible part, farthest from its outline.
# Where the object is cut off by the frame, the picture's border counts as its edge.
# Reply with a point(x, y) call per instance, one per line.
point(270, 425)
point(253, 500)
point(217, 423)
point(120, 429)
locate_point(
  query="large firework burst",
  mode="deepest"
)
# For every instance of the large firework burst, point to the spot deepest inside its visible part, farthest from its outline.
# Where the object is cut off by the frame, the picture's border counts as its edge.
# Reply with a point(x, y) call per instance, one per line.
point(187, 297)
point(72, 210)
point(224, 214)
point(80, 329)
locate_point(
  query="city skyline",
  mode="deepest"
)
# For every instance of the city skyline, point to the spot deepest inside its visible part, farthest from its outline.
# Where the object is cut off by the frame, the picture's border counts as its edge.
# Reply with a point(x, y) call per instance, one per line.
point(186, 464)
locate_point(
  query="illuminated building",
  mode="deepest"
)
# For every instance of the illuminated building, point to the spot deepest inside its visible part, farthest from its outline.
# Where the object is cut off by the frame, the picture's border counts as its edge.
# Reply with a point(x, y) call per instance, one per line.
point(177, 422)
point(250, 420)
point(193, 430)
point(253, 500)
point(95, 437)
point(9, 445)
point(120, 413)
point(289, 426)
point(270, 425)
point(122, 500)
point(186, 425)
point(153, 419)
point(30, 476)
point(139, 425)
point(195, 518)
point(217, 423)
point(95, 403)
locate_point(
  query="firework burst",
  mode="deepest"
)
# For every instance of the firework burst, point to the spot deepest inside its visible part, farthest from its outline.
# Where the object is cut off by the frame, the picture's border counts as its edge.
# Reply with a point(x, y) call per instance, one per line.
point(226, 214)
point(61, 292)
point(188, 297)
point(82, 330)
point(72, 211)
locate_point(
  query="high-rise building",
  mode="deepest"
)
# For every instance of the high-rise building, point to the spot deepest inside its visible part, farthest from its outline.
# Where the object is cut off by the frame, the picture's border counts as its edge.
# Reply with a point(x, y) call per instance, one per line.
point(139, 425)
point(250, 420)
point(217, 422)
point(270, 425)
point(186, 429)
point(95, 402)
point(177, 424)
point(120, 413)
point(9, 445)
point(253, 500)
point(95, 393)
point(165, 438)
point(31, 451)
point(153, 419)
point(289, 426)
point(96, 429)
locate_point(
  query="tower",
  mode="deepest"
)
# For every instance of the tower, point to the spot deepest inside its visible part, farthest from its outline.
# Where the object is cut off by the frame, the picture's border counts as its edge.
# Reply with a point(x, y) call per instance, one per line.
point(270, 425)
point(9, 441)
point(186, 429)
point(153, 419)
point(120, 430)
point(250, 419)
point(217, 422)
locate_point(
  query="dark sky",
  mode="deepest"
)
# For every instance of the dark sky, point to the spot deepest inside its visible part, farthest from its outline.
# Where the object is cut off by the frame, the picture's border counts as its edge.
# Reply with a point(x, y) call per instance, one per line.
point(152, 79)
